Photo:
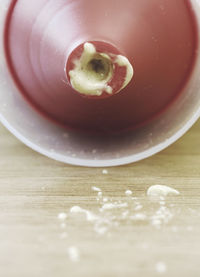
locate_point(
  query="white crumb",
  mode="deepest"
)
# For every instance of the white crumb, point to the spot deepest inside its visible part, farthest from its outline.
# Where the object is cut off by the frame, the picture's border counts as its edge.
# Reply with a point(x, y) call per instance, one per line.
point(162, 203)
point(100, 194)
point(134, 198)
point(138, 207)
point(101, 223)
point(105, 199)
point(110, 206)
point(96, 189)
point(161, 267)
point(62, 216)
point(138, 217)
point(128, 192)
point(76, 209)
point(161, 190)
point(89, 215)
point(105, 171)
point(162, 216)
point(74, 254)
point(156, 223)
point(125, 214)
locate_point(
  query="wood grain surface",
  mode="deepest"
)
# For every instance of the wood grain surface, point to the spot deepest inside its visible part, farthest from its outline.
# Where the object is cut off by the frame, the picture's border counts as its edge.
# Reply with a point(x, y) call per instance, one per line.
point(35, 189)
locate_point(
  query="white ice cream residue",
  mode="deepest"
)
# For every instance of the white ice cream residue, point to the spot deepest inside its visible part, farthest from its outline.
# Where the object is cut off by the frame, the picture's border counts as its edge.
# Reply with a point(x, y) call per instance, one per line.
point(161, 267)
point(96, 189)
point(105, 171)
point(110, 212)
point(62, 216)
point(89, 215)
point(128, 192)
point(110, 206)
point(123, 61)
point(93, 71)
point(74, 254)
point(86, 80)
point(161, 190)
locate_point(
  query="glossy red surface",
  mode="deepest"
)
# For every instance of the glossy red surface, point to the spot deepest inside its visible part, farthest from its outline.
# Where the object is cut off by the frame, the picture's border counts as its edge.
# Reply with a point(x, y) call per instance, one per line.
point(159, 37)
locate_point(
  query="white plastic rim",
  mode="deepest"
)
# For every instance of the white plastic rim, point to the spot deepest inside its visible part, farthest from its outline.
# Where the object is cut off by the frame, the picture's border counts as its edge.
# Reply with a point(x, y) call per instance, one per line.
point(70, 147)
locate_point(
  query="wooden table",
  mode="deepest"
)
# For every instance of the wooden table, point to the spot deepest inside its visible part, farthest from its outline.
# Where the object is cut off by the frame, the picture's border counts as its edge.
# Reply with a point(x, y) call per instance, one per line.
point(34, 242)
